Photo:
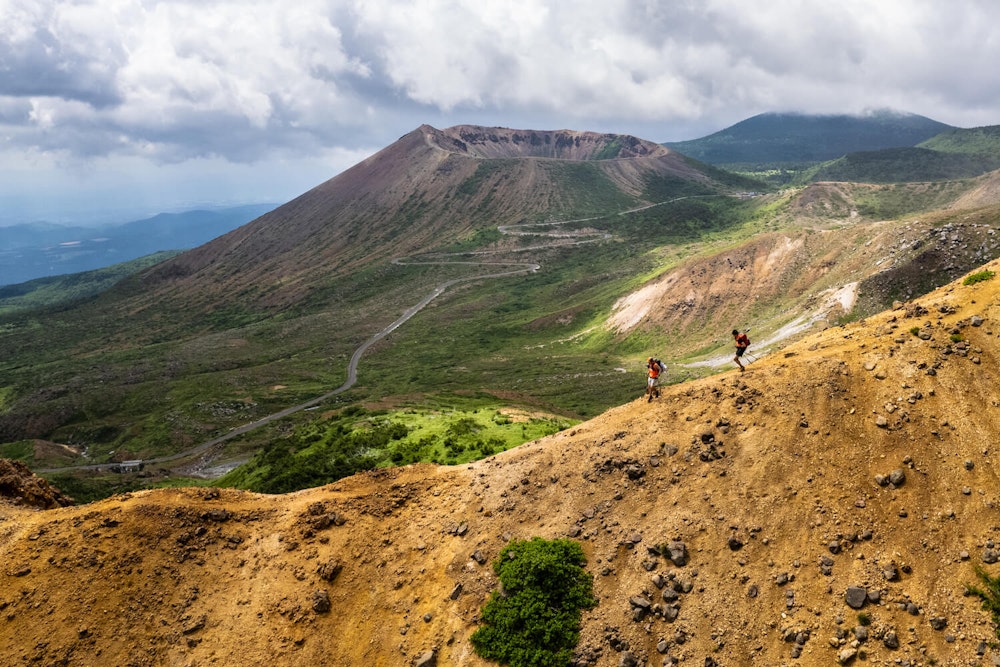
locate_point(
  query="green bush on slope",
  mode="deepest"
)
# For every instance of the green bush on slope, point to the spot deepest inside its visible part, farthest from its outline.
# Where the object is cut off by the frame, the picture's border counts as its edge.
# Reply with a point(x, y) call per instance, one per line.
point(534, 619)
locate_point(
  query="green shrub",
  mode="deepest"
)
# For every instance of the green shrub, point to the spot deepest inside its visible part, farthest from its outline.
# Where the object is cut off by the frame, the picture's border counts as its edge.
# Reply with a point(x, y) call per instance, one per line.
point(914, 330)
point(978, 277)
point(534, 619)
point(989, 595)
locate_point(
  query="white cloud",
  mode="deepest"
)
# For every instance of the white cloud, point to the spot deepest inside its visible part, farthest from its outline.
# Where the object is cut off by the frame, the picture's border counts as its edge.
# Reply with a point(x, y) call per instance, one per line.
point(257, 81)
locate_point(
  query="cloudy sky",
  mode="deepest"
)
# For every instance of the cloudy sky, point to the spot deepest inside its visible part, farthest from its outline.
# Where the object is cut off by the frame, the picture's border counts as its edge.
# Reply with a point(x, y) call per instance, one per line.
point(112, 109)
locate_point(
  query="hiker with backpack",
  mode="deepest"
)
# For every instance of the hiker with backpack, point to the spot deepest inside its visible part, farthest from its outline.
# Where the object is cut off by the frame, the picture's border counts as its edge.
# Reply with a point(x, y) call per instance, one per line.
point(653, 369)
point(742, 343)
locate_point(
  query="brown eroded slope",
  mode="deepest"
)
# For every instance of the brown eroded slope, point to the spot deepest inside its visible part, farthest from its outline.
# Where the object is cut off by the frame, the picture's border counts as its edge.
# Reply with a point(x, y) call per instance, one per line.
point(770, 479)
point(827, 264)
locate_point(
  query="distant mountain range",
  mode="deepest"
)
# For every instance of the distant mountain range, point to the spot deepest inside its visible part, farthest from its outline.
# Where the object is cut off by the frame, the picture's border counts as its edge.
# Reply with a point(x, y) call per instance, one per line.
point(37, 250)
point(798, 138)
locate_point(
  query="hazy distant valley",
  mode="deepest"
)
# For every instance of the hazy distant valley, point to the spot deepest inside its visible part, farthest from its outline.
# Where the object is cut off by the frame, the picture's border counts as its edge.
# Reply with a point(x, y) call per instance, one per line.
point(39, 250)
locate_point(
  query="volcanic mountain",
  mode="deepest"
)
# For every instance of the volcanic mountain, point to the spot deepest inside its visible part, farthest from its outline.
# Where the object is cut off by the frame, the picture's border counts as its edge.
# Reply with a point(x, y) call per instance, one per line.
point(829, 505)
point(429, 186)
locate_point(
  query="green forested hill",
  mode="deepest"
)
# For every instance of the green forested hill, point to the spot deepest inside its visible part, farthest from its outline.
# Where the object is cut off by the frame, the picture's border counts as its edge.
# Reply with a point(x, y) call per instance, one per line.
point(972, 141)
point(795, 138)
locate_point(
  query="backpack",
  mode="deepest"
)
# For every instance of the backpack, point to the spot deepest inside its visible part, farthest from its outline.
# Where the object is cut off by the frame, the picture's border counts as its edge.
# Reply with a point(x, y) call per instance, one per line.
point(743, 340)
point(663, 367)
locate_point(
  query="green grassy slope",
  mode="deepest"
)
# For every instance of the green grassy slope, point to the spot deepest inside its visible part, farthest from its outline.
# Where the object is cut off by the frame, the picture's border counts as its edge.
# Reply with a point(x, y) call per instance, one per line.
point(61, 290)
point(972, 141)
point(897, 165)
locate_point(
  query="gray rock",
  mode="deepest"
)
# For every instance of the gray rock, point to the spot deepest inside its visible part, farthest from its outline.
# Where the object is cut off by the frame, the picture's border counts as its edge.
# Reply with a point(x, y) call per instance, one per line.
point(861, 633)
point(990, 556)
point(976, 321)
point(628, 660)
point(890, 640)
point(426, 659)
point(939, 622)
point(874, 596)
point(856, 596)
point(677, 553)
point(847, 655)
point(897, 477)
point(639, 601)
point(969, 464)
point(890, 572)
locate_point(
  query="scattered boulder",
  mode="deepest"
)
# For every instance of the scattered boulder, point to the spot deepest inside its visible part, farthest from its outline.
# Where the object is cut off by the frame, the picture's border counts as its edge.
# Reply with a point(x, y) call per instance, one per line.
point(426, 659)
point(847, 655)
point(628, 660)
point(856, 596)
point(677, 552)
point(320, 601)
point(329, 570)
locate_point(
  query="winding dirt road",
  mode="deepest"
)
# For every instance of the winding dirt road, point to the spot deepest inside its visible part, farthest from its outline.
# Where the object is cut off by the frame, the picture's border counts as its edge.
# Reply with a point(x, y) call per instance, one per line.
point(514, 269)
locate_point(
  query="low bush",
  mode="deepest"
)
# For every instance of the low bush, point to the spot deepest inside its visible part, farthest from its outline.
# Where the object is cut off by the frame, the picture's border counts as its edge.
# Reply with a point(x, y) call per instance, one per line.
point(534, 619)
point(978, 277)
point(989, 595)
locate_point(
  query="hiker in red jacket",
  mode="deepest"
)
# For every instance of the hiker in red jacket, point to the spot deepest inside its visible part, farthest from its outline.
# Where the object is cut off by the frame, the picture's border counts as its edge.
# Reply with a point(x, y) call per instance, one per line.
point(742, 343)
point(653, 367)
